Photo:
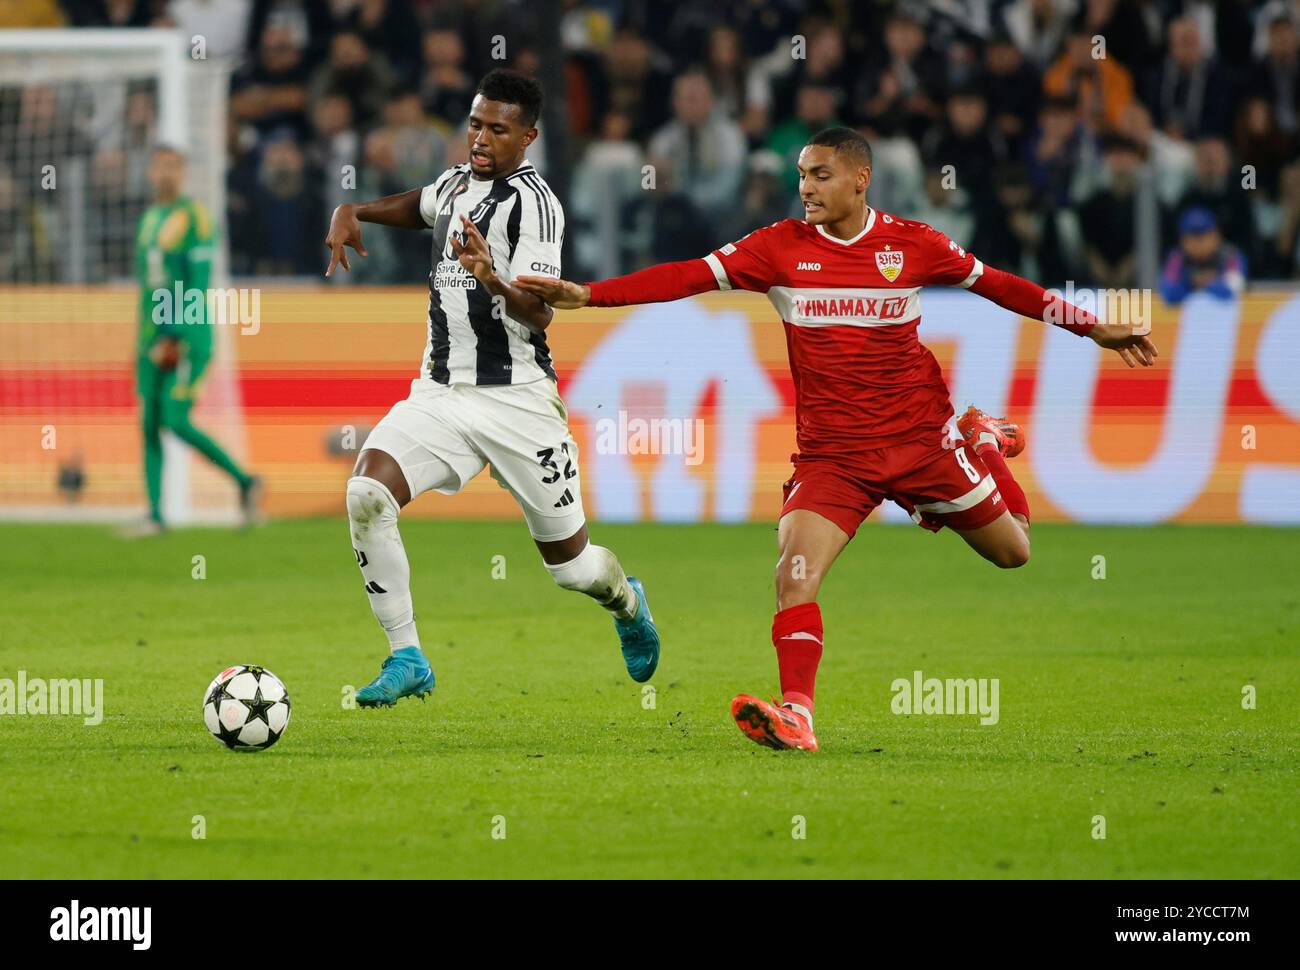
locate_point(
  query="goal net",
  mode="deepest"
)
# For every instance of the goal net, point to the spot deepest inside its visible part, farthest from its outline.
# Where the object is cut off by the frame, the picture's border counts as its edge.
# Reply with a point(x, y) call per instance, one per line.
point(80, 111)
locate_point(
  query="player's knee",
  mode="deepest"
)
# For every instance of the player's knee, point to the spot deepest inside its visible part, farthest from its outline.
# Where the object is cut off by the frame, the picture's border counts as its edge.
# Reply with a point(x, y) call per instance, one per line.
point(1012, 556)
point(174, 412)
point(370, 505)
point(181, 428)
point(582, 573)
point(167, 418)
point(795, 583)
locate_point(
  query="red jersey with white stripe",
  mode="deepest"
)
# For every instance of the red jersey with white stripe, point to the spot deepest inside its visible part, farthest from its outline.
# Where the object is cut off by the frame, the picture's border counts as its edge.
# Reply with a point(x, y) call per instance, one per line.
point(851, 308)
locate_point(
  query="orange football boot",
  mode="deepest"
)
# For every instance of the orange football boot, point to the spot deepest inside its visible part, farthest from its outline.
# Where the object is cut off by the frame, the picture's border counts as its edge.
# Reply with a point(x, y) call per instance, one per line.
point(1008, 435)
point(772, 725)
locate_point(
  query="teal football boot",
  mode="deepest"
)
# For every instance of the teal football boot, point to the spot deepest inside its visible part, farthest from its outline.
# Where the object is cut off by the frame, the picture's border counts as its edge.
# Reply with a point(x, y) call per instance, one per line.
point(639, 636)
point(406, 673)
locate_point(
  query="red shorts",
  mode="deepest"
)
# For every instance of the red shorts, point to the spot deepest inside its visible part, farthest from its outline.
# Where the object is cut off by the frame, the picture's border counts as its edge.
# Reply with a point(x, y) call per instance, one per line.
point(937, 485)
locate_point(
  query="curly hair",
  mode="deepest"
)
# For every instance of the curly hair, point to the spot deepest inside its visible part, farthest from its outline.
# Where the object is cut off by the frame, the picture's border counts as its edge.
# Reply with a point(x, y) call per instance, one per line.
point(511, 87)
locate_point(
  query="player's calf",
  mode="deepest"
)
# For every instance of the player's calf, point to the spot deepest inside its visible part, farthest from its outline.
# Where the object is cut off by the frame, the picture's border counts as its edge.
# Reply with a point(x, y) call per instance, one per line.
point(377, 545)
point(596, 572)
point(810, 543)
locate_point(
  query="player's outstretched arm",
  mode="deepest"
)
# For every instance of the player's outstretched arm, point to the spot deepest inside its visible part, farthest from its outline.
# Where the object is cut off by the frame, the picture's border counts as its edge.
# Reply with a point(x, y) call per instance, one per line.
point(561, 294)
point(401, 211)
point(654, 284)
point(1028, 299)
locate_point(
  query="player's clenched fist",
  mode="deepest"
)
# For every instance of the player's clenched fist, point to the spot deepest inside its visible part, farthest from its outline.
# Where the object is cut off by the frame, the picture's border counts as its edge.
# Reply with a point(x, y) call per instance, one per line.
point(345, 230)
point(561, 294)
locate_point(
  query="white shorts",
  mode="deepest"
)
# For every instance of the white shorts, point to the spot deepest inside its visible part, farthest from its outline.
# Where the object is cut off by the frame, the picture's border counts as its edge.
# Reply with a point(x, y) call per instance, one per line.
point(521, 430)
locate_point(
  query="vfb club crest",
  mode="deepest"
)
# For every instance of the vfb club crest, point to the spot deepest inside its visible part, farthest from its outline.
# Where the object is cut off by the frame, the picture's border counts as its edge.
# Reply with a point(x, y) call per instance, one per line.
point(890, 264)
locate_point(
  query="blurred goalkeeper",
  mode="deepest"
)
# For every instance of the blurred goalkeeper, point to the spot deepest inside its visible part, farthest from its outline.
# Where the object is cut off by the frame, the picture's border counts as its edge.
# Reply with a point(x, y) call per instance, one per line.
point(173, 254)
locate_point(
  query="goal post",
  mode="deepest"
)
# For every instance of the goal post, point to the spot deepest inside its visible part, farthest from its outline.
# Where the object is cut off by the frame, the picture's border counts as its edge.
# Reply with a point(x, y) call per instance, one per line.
point(80, 112)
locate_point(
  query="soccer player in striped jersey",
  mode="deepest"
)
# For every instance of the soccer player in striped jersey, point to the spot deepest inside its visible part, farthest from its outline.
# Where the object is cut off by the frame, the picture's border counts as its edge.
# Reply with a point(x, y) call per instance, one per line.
point(872, 411)
point(486, 392)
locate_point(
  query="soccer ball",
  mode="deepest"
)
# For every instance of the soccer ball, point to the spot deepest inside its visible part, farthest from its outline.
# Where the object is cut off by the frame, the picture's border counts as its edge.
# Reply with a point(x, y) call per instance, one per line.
point(246, 707)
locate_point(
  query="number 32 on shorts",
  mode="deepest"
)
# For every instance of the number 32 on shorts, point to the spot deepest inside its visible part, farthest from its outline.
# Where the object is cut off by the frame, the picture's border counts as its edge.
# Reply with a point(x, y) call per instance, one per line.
point(546, 458)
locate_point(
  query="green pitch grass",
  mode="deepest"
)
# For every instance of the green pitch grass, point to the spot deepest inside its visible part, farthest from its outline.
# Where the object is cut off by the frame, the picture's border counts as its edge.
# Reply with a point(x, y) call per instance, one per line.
point(1119, 697)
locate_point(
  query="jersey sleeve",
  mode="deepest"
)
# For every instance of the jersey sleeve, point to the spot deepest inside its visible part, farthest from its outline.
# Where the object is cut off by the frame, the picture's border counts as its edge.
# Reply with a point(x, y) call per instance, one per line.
point(748, 263)
point(944, 263)
point(1019, 295)
point(541, 231)
point(429, 197)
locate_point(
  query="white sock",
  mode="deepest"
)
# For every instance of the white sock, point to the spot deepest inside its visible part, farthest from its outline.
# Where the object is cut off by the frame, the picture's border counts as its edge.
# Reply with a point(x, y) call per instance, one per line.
point(372, 516)
point(801, 710)
point(596, 572)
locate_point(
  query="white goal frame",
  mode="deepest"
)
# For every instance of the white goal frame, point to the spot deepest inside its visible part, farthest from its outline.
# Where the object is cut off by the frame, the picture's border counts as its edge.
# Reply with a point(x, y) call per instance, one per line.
point(164, 54)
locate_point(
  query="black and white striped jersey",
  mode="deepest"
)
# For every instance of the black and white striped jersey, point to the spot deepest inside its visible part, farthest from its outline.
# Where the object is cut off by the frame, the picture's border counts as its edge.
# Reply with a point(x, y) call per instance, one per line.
point(472, 340)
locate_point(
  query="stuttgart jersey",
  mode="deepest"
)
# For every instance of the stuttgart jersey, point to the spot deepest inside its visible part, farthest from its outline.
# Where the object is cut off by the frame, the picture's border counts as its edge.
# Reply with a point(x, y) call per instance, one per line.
point(472, 340)
point(851, 308)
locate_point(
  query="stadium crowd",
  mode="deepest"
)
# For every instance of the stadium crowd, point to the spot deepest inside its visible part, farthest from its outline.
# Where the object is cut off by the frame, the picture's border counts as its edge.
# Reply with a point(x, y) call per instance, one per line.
point(1028, 130)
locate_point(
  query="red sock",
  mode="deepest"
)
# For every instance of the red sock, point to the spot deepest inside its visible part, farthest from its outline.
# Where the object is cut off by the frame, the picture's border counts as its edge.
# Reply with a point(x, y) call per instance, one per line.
point(1011, 491)
point(797, 636)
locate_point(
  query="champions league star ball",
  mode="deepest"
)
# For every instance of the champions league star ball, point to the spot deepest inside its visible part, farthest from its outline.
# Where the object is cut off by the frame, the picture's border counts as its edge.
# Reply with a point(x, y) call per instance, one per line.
point(246, 708)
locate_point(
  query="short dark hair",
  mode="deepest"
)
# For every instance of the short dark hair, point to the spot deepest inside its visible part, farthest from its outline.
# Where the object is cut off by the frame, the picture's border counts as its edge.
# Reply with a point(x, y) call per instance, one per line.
point(846, 141)
point(512, 87)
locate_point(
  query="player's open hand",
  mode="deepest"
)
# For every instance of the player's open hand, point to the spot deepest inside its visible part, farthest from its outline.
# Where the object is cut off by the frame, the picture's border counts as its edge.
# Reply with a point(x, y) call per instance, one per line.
point(472, 251)
point(345, 230)
point(561, 294)
point(1133, 348)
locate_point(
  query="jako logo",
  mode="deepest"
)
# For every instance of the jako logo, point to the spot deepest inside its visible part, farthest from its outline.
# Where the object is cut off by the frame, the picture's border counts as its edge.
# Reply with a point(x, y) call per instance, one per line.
point(812, 266)
point(103, 923)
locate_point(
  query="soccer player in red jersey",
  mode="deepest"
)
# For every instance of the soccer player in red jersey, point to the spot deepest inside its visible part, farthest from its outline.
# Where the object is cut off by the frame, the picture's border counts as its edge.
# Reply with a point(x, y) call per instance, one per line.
point(872, 410)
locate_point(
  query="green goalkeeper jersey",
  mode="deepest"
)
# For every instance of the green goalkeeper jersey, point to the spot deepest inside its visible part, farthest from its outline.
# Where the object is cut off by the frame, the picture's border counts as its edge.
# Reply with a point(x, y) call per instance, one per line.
point(173, 264)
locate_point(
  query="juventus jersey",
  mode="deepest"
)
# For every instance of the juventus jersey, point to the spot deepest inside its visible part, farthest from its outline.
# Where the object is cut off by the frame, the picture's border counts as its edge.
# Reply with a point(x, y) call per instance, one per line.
point(472, 340)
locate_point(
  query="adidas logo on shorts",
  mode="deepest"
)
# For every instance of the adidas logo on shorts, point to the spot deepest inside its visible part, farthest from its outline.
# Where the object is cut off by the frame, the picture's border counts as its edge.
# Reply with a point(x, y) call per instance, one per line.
point(565, 499)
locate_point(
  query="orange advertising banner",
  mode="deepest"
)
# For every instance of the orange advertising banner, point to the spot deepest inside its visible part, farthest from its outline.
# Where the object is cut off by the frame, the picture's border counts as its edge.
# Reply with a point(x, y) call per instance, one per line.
point(682, 411)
